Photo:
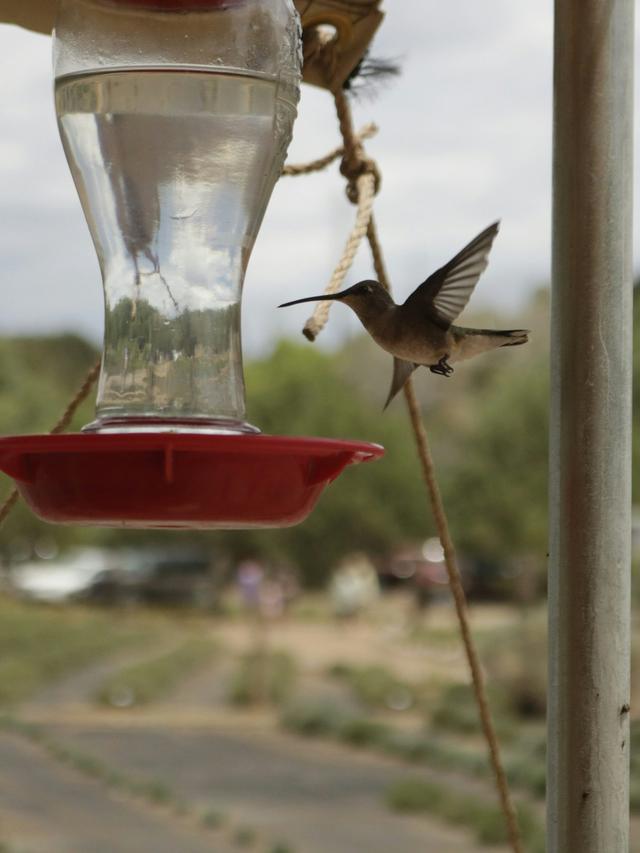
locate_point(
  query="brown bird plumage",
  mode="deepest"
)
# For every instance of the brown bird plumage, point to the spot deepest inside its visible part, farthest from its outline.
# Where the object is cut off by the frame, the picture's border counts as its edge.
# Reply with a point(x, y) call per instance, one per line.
point(421, 331)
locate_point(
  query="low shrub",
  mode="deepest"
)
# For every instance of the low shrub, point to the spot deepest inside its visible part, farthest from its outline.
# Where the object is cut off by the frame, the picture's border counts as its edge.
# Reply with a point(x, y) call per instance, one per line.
point(244, 836)
point(263, 678)
point(516, 659)
point(456, 711)
point(529, 773)
point(360, 731)
point(212, 819)
point(375, 686)
point(312, 720)
point(485, 820)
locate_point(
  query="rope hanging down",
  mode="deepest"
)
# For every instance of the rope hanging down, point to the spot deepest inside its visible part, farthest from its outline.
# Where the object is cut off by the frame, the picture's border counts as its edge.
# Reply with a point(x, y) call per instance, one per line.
point(366, 190)
point(67, 416)
point(364, 181)
point(363, 177)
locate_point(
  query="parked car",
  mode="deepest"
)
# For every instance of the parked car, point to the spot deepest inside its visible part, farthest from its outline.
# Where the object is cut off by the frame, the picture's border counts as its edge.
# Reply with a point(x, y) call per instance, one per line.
point(63, 579)
point(170, 577)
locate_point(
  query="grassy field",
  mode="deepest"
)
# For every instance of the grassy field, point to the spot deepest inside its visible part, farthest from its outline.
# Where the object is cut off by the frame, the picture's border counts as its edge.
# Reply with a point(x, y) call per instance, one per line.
point(39, 645)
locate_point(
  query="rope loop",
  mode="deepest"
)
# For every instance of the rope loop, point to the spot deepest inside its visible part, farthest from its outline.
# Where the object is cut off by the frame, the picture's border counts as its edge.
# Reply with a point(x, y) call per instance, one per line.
point(293, 169)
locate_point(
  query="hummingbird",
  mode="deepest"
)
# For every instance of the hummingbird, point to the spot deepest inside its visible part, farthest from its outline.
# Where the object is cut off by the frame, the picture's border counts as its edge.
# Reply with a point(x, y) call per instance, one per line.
point(420, 332)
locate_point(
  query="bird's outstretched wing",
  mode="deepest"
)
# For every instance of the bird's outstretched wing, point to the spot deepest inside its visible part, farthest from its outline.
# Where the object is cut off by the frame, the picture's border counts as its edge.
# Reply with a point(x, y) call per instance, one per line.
point(446, 292)
point(402, 370)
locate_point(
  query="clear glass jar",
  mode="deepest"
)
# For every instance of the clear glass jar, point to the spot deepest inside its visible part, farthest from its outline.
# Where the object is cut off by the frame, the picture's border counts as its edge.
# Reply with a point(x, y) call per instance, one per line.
point(175, 116)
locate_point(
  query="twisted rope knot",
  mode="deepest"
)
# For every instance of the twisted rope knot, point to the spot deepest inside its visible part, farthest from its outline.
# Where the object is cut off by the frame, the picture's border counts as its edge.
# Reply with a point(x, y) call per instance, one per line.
point(321, 163)
point(355, 164)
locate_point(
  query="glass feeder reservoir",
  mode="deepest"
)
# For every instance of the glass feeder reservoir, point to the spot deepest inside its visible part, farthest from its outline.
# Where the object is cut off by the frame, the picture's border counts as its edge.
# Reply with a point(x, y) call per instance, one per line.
point(175, 116)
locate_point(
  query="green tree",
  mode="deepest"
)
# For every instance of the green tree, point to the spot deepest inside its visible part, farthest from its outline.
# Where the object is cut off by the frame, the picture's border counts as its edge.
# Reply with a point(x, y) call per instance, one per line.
point(496, 492)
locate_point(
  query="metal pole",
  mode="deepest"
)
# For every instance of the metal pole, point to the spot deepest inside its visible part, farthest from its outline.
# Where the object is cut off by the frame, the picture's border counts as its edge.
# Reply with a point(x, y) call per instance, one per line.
point(590, 497)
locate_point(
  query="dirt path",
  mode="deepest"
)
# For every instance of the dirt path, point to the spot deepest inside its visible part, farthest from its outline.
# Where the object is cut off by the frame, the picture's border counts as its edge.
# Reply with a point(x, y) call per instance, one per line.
point(319, 645)
point(46, 807)
point(318, 797)
point(204, 689)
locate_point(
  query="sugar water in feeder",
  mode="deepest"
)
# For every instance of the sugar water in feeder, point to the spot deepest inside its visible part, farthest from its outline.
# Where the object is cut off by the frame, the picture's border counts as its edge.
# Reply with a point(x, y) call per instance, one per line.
point(175, 117)
point(174, 158)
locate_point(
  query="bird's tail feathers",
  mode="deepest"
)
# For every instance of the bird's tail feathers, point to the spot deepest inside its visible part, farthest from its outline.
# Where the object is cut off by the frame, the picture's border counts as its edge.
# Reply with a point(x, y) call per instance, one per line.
point(514, 337)
point(472, 342)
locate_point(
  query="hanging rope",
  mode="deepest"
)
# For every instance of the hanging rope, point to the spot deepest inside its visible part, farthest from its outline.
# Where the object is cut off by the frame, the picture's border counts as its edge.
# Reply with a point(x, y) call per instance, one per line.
point(60, 426)
point(462, 612)
point(81, 395)
point(366, 189)
point(9, 504)
point(363, 181)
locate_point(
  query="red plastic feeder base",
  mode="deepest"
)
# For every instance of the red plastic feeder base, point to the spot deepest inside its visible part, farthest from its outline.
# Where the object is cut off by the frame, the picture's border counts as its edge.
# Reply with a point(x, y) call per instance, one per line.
point(178, 480)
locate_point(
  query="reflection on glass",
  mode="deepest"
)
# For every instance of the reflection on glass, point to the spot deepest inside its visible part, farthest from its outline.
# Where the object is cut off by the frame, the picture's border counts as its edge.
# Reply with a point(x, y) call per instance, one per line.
point(174, 168)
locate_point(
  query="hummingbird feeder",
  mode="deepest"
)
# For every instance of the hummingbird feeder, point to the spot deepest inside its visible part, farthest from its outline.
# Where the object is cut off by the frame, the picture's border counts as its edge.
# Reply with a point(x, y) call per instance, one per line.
point(175, 117)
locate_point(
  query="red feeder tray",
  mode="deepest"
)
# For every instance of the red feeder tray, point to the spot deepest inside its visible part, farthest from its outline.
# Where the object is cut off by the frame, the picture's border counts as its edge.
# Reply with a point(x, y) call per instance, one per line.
point(177, 480)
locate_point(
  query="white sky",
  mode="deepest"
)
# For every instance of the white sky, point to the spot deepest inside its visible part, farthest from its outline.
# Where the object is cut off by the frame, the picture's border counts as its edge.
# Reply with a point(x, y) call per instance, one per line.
point(465, 138)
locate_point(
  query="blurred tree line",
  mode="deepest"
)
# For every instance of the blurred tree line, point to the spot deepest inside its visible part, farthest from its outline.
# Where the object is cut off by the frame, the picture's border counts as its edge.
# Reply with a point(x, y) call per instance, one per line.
point(487, 425)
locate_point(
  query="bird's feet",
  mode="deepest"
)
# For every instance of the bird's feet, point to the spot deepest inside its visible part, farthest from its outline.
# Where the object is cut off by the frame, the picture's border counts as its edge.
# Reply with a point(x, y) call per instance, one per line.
point(442, 368)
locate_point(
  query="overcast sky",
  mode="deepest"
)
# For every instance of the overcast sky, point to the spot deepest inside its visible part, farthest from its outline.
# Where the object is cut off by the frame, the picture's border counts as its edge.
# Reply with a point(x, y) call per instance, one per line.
point(465, 138)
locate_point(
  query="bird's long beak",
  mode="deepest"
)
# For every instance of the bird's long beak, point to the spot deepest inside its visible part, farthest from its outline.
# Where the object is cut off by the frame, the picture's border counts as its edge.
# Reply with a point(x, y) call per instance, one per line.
point(314, 299)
